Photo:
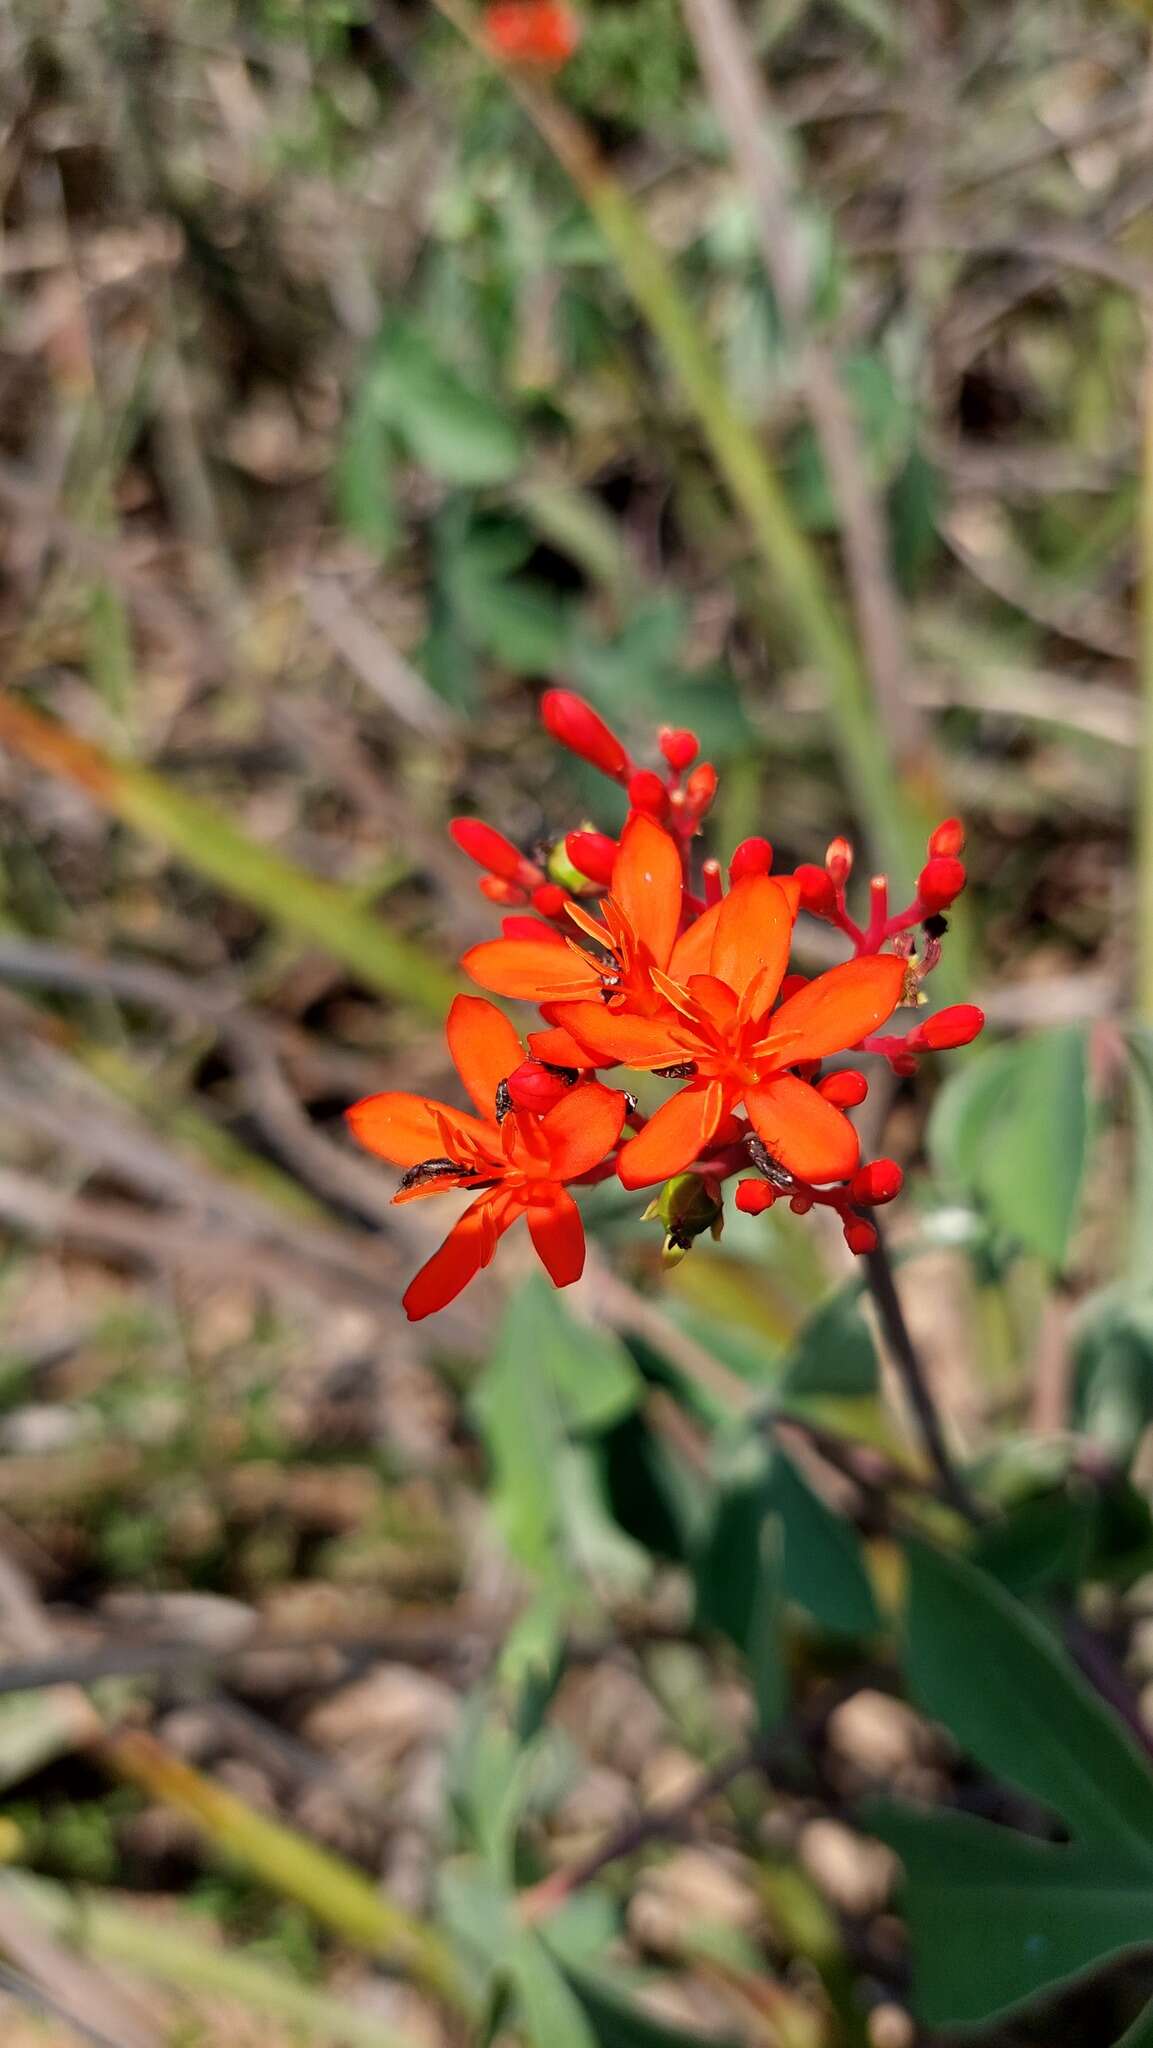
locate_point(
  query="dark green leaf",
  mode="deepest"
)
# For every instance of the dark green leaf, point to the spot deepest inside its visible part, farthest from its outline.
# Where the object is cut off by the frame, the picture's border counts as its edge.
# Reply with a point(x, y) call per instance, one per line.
point(1140, 2034)
point(834, 1353)
point(997, 1917)
point(823, 1570)
point(740, 1590)
point(987, 1668)
point(1041, 1542)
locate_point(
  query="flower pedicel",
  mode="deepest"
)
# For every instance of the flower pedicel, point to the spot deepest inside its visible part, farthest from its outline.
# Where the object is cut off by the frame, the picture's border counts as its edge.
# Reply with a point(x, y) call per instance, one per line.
point(635, 963)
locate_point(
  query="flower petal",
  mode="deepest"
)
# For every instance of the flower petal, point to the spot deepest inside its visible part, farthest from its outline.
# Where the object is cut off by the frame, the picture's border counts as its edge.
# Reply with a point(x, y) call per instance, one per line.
point(408, 1129)
point(835, 1011)
point(558, 1234)
point(753, 935)
point(469, 1245)
point(693, 950)
point(557, 1048)
point(808, 1135)
point(672, 1139)
point(616, 1035)
point(485, 1049)
point(581, 1128)
point(537, 970)
point(647, 885)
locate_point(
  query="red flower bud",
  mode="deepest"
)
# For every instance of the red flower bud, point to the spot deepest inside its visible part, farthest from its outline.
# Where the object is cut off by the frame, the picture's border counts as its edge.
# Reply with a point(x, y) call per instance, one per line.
point(499, 891)
point(818, 895)
point(491, 850)
point(536, 32)
point(647, 793)
point(904, 1064)
point(592, 854)
point(576, 725)
point(958, 1025)
point(752, 857)
point(792, 986)
point(679, 748)
point(711, 882)
point(700, 789)
point(528, 928)
point(532, 1087)
point(860, 1235)
point(948, 839)
point(753, 1197)
point(800, 1204)
point(549, 899)
point(839, 862)
point(880, 1181)
point(940, 881)
point(846, 1088)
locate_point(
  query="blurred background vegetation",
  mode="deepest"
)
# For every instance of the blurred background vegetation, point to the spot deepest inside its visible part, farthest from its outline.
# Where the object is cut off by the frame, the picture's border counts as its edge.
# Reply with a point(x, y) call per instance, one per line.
point(336, 420)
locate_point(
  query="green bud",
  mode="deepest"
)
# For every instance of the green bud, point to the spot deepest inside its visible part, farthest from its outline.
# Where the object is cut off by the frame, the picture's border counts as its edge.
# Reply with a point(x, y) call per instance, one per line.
point(560, 869)
point(687, 1205)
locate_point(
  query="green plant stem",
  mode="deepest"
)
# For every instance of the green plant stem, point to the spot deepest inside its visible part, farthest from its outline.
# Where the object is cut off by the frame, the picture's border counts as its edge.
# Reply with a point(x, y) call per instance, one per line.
point(1144, 992)
point(914, 1380)
point(322, 912)
point(889, 807)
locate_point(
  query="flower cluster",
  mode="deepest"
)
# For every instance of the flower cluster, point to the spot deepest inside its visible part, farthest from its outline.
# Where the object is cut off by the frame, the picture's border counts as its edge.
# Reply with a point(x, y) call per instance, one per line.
point(639, 957)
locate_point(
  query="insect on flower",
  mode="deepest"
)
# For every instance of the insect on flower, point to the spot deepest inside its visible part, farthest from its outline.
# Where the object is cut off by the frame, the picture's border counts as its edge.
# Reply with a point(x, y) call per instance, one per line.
point(518, 1163)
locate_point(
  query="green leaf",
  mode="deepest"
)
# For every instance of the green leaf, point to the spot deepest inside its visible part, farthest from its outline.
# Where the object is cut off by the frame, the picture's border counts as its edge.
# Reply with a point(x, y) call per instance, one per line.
point(553, 2014)
point(550, 1376)
point(739, 1587)
point(365, 473)
point(985, 1666)
point(1113, 1369)
point(617, 2023)
point(1013, 1129)
point(449, 428)
point(593, 1377)
point(1140, 2034)
point(823, 1568)
point(834, 1354)
point(1041, 1542)
point(995, 1917)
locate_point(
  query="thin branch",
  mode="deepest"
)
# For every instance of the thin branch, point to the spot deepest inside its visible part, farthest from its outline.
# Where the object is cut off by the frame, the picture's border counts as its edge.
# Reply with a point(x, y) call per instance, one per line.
point(914, 1379)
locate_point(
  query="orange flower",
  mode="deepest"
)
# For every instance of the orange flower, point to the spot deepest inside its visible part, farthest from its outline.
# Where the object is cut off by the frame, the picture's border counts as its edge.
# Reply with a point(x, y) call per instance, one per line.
point(642, 916)
point(537, 32)
point(714, 1017)
point(517, 1162)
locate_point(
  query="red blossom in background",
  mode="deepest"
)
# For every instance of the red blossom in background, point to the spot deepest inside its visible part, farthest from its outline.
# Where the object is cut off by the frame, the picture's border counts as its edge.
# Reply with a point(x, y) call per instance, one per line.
point(639, 956)
point(537, 33)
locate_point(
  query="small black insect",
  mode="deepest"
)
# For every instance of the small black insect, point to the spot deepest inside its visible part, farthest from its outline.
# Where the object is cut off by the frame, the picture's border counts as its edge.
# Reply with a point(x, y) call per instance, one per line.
point(432, 1169)
point(936, 926)
point(569, 1075)
point(504, 1101)
point(764, 1162)
point(682, 1071)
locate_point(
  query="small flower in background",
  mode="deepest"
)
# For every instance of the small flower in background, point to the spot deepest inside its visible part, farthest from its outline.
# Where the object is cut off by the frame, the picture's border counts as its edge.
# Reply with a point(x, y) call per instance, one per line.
point(518, 1160)
point(540, 34)
point(640, 957)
